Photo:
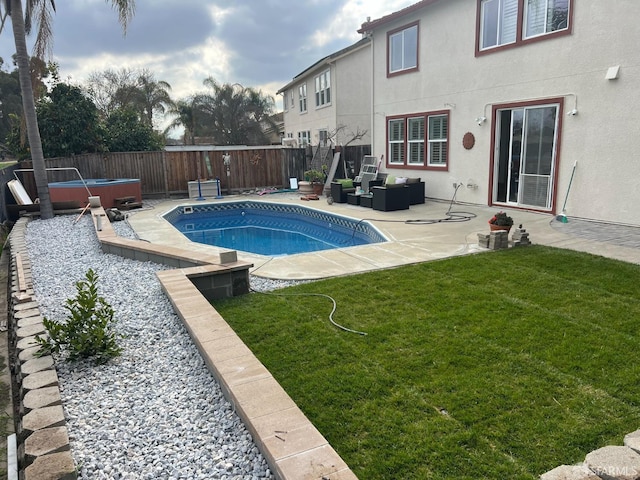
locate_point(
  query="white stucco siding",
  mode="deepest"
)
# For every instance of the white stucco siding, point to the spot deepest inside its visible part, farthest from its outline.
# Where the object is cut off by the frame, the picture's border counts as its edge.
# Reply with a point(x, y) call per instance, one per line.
point(353, 96)
point(601, 137)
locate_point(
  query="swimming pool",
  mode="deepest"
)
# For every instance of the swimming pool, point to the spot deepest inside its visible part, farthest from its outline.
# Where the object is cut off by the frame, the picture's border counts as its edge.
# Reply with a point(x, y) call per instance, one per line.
point(271, 229)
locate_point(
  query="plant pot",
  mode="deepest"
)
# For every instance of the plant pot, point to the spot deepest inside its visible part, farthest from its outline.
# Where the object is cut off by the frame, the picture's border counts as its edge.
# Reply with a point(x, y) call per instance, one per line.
point(305, 187)
point(317, 188)
point(494, 227)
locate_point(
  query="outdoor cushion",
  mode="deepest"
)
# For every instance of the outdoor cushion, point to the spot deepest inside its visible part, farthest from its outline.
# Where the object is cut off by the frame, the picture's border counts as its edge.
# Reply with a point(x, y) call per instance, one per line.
point(345, 182)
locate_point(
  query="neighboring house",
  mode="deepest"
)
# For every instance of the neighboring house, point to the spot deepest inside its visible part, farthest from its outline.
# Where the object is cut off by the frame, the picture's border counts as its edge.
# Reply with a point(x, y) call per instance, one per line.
point(275, 134)
point(330, 102)
point(504, 96)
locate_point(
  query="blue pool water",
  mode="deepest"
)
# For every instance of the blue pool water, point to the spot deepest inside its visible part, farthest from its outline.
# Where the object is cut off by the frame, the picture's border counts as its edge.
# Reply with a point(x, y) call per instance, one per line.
point(270, 229)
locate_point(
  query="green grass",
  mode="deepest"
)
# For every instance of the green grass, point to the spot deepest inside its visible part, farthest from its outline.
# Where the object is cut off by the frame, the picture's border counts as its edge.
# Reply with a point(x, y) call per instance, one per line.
point(499, 365)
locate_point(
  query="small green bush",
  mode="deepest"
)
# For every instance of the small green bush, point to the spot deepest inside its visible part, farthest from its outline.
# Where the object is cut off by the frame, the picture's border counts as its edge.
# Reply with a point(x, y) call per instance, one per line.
point(89, 329)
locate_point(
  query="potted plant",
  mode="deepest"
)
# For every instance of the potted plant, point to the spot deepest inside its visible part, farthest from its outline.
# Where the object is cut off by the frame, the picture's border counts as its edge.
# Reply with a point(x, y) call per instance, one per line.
point(316, 177)
point(500, 221)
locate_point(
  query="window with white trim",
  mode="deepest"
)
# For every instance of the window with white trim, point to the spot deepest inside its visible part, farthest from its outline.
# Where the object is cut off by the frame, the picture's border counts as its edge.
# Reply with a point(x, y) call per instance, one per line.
point(396, 141)
point(285, 103)
point(415, 140)
point(419, 140)
point(403, 49)
point(438, 134)
point(323, 89)
point(302, 95)
point(545, 16)
point(304, 138)
point(499, 20)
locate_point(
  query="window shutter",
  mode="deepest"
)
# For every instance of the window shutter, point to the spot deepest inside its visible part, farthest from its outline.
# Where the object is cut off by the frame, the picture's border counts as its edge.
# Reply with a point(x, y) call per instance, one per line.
point(509, 21)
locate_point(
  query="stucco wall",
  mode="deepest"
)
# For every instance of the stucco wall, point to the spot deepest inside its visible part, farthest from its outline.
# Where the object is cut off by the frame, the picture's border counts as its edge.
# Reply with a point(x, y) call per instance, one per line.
point(573, 67)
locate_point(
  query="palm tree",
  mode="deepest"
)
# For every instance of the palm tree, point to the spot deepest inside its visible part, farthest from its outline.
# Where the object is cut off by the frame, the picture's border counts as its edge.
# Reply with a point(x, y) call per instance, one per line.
point(238, 115)
point(153, 96)
point(187, 115)
point(39, 9)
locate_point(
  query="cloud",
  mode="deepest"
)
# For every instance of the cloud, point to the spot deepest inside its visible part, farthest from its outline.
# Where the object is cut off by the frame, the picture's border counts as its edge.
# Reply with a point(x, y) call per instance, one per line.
point(261, 44)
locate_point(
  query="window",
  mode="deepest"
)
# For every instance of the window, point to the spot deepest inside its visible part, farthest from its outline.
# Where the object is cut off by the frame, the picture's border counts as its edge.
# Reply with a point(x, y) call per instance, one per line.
point(285, 104)
point(302, 94)
point(292, 104)
point(438, 132)
point(419, 140)
point(304, 138)
point(415, 129)
point(403, 50)
point(323, 89)
point(396, 141)
point(545, 16)
point(499, 21)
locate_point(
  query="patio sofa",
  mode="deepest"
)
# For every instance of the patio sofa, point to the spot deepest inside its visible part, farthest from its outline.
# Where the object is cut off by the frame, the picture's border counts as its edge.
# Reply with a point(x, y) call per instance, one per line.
point(391, 197)
point(340, 188)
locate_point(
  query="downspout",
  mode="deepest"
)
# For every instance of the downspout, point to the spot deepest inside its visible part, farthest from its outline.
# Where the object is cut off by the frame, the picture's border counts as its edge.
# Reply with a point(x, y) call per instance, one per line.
point(373, 115)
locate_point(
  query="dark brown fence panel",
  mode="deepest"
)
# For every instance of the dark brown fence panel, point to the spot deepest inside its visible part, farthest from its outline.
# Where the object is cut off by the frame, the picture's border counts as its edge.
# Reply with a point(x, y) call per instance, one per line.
point(166, 174)
point(147, 166)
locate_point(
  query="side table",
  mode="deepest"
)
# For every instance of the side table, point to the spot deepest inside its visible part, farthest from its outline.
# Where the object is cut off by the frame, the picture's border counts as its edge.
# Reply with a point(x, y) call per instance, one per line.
point(366, 200)
point(353, 199)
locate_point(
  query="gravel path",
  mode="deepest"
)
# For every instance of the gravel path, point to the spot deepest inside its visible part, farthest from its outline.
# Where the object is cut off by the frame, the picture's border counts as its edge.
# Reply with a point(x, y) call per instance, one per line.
point(155, 412)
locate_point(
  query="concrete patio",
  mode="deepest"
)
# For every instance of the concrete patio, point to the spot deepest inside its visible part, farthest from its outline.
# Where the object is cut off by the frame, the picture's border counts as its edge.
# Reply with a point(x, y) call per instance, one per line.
point(408, 242)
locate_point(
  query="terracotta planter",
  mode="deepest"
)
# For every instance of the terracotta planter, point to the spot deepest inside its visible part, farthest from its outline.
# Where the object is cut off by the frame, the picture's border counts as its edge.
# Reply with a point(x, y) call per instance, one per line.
point(494, 228)
point(317, 188)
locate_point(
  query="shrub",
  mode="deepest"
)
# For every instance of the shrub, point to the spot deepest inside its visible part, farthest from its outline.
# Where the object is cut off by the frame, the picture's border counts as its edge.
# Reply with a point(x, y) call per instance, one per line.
point(89, 327)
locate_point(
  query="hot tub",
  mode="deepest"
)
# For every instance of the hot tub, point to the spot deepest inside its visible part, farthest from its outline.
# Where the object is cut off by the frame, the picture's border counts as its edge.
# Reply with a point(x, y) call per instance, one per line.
point(109, 190)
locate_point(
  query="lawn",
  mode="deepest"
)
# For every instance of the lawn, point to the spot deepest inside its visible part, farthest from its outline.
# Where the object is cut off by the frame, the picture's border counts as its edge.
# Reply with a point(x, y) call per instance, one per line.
point(498, 365)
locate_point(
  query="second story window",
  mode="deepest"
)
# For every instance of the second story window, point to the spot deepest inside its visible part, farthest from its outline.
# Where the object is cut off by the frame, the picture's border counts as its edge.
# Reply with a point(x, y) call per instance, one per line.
point(302, 94)
point(512, 22)
point(323, 89)
point(545, 16)
point(499, 22)
point(403, 49)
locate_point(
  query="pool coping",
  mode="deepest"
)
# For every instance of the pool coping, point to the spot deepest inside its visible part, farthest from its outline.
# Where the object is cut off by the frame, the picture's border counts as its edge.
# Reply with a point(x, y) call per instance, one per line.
point(290, 443)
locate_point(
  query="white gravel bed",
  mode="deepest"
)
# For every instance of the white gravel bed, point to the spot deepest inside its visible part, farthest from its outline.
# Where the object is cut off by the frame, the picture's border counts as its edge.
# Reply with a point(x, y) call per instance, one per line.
point(155, 412)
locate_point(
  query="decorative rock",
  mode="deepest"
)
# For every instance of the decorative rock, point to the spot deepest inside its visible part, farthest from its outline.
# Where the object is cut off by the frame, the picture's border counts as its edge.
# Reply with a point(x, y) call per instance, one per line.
point(30, 331)
point(615, 463)
point(28, 354)
point(37, 364)
point(632, 440)
point(46, 378)
point(570, 472)
point(57, 466)
point(41, 397)
point(46, 441)
point(43, 418)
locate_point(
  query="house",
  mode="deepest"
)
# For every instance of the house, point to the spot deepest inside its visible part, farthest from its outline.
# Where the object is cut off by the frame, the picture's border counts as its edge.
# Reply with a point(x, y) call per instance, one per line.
point(495, 101)
point(329, 103)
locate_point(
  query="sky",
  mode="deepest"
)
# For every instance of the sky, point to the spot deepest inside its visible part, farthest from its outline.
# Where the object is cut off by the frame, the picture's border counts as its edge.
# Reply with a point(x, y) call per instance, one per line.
point(260, 44)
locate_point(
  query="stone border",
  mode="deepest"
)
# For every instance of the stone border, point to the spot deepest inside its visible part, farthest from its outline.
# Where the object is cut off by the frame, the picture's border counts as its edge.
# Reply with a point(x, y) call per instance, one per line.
point(290, 443)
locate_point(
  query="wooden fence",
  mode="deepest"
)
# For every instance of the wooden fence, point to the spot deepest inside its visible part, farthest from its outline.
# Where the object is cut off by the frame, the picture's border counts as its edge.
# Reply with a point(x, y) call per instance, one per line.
point(166, 174)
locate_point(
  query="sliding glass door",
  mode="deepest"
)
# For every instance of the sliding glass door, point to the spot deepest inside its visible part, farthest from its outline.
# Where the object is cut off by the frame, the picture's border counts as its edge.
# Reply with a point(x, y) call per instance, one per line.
point(524, 165)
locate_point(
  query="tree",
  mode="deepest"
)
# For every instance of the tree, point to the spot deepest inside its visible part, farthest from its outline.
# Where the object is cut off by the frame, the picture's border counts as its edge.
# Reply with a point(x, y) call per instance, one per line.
point(10, 100)
point(39, 9)
point(126, 88)
point(236, 114)
point(68, 123)
point(188, 115)
point(152, 96)
point(124, 132)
